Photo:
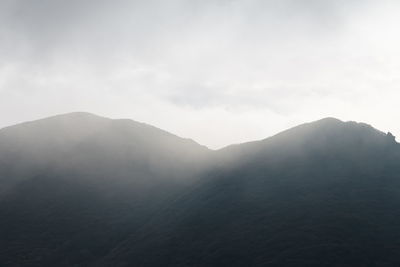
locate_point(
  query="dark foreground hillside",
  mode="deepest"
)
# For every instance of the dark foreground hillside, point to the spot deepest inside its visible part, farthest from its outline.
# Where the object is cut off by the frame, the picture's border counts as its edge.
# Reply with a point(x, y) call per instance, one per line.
point(321, 194)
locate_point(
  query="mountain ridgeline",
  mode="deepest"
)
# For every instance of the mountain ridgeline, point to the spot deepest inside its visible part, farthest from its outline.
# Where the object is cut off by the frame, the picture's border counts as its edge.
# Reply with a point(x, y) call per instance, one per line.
point(83, 190)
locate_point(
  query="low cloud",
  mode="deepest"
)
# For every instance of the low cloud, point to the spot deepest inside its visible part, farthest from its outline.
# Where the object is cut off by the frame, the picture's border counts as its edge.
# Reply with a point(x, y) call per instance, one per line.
point(242, 70)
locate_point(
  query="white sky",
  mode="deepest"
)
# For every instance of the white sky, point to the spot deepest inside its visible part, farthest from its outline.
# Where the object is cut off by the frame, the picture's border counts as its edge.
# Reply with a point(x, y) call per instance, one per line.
point(219, 72)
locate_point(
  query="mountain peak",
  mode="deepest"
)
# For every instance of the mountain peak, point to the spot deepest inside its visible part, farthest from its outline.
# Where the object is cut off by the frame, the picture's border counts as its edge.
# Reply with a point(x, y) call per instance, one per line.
point(333, 130)
point(329, 120)
point(79, 115)
point(327, 134)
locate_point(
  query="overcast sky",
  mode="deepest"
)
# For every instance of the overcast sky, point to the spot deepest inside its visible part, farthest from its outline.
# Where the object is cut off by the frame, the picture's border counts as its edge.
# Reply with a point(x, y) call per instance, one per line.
point(219, 72)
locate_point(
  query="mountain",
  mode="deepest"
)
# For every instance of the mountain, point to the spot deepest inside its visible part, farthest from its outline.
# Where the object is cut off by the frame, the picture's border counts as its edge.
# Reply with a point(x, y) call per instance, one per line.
point(321, 194)
point(74, 185)
point(82, 190)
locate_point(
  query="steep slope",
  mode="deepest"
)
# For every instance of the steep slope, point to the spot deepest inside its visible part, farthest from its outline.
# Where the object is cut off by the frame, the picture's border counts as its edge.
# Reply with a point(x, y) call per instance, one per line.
point(74, 185)
point(321, 194)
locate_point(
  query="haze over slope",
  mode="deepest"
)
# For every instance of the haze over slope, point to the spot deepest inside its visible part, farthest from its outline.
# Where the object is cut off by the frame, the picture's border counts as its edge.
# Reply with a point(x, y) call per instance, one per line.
point(321, 194)
point(89, 191)
point(82, 141)
point(77, 182)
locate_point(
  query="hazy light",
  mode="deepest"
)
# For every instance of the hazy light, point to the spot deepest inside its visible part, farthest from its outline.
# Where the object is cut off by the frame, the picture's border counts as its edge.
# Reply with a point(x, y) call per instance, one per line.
point(219, 72)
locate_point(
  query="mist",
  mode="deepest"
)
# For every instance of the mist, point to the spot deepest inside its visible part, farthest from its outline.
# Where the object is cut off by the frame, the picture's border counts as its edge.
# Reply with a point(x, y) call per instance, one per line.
point(226, 71)
point(199, 133)
point(85, 190)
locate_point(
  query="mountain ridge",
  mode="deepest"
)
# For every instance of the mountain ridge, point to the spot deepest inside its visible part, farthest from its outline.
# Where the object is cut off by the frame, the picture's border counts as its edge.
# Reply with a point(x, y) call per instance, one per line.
point(87, 115)
point(82, 190)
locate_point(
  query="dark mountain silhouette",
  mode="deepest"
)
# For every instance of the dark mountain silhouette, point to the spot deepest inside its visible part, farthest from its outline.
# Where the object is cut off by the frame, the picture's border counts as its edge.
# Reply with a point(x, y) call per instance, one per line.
point(80, 190)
